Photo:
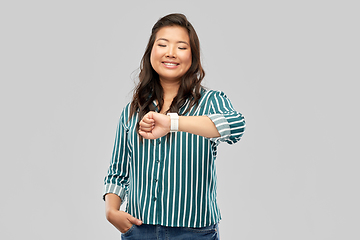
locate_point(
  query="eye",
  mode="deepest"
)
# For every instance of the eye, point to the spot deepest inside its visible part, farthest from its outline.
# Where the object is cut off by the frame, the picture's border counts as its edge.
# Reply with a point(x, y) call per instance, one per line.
point(161, 45)
point(182, 48)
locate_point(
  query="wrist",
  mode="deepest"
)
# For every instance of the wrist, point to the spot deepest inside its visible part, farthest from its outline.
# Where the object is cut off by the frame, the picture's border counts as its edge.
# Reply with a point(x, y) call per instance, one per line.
point(111, 213)
point(174, 122)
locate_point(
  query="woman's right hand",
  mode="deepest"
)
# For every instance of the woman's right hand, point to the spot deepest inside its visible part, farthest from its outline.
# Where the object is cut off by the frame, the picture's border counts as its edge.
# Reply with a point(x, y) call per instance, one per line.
point(122, 220)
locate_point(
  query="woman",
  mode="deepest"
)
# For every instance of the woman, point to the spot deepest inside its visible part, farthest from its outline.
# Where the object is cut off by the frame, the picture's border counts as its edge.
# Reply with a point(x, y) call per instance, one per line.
point(166, 141)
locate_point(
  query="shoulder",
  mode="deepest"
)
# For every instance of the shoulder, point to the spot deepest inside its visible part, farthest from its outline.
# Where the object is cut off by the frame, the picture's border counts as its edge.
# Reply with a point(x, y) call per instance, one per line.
point(212, 98)
point(125, 113)
point(213, 94)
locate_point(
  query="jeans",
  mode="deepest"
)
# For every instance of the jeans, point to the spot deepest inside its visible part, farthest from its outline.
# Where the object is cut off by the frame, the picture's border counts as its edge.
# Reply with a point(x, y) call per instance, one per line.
point(157, 232)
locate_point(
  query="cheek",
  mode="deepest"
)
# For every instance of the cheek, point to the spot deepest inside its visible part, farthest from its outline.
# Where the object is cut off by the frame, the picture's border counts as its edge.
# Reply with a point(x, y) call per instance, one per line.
point(152, 57)
point(156, 53)
point(188, 59)
point(156, 56)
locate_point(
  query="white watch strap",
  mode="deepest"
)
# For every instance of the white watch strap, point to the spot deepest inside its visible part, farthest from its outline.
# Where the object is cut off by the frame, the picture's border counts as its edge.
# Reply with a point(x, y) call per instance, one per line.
point(174, 118)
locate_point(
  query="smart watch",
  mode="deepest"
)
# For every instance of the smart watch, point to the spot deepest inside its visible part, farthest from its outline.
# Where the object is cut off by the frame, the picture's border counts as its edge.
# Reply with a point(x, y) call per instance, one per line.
point(174, 118)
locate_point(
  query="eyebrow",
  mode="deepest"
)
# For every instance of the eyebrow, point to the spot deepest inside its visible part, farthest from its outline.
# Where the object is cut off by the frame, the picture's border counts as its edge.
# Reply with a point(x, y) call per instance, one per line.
point(168, 41)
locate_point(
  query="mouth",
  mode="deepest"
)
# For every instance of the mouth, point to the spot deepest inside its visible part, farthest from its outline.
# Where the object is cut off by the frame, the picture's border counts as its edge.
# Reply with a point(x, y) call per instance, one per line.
point(170, 64)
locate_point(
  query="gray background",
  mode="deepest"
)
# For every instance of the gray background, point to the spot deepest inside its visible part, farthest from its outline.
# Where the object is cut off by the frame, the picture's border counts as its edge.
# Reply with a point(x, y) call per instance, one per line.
point(67, 70)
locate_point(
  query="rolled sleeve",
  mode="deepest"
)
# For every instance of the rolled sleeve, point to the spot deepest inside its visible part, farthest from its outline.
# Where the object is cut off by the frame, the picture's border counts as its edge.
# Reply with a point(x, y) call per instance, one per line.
point(116, 189)
point(229, 123)
point(221, 124)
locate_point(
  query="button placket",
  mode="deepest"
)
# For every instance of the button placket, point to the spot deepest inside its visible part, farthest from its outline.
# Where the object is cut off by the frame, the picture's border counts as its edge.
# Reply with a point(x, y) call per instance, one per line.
point(157, 172)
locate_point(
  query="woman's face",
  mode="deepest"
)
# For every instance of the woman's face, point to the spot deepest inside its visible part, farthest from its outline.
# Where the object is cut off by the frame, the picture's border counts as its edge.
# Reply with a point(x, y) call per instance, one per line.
point(171, 53)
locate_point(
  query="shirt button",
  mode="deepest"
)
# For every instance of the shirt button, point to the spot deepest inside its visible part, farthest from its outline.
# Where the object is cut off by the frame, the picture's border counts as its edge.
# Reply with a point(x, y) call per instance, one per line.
point(155, 198)
point(155, 180)
point(158, 161)
point(158, 141)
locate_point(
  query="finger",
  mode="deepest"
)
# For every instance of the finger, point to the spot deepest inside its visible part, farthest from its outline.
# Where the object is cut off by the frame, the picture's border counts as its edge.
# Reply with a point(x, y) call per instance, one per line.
point(146, 135)
point(134, 220)
point(149, 130)
point(146, 129)
point(148, 120)
point(146, 124)
point(149, 115)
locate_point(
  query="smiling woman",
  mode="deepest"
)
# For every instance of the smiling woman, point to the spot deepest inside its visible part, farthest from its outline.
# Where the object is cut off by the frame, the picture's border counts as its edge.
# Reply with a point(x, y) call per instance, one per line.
point(171, 96)
point(166, 143)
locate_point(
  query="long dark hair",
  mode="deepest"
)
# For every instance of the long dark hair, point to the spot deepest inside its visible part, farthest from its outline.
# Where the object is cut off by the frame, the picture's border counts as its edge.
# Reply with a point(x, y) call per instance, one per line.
point(149, 87)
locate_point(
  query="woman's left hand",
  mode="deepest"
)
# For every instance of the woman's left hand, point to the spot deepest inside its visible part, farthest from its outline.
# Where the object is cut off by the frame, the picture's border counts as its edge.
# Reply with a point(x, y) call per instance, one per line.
point(154, 125)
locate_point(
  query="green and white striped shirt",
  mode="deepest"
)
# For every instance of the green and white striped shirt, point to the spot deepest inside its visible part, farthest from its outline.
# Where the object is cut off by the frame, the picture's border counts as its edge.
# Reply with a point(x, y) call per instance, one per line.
point(171, 181)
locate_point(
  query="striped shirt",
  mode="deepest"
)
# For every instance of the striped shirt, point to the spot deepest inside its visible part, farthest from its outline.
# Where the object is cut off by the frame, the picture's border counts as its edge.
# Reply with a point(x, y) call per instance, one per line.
point(171, 181)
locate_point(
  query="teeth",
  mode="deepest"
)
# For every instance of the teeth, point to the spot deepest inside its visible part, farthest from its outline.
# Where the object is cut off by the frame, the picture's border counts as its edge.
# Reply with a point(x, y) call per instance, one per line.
point(170, 64)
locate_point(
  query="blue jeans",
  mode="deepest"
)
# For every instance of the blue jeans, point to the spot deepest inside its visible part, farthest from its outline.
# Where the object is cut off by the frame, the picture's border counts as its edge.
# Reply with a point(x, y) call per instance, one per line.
point(157, 232)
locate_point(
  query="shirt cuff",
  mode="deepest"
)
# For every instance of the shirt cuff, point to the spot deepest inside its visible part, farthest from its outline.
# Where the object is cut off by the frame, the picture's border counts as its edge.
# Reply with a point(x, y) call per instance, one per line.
point(116, 189)
point(221, 125)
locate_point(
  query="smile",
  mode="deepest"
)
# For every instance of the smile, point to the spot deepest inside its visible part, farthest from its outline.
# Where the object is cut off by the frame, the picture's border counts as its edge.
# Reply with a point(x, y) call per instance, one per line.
point(170, 64)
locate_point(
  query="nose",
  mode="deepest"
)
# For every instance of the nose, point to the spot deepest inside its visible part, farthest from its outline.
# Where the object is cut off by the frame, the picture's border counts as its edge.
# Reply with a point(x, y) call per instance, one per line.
point(170, 53)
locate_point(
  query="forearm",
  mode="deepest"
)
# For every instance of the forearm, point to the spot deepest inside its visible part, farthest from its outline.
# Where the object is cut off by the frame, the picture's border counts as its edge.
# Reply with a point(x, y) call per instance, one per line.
point(112, 202)
point(199, 125)
point(155, 125)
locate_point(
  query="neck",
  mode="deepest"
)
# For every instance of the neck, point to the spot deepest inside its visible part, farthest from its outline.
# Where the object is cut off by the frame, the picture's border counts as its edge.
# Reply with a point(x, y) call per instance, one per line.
point(170, 89)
